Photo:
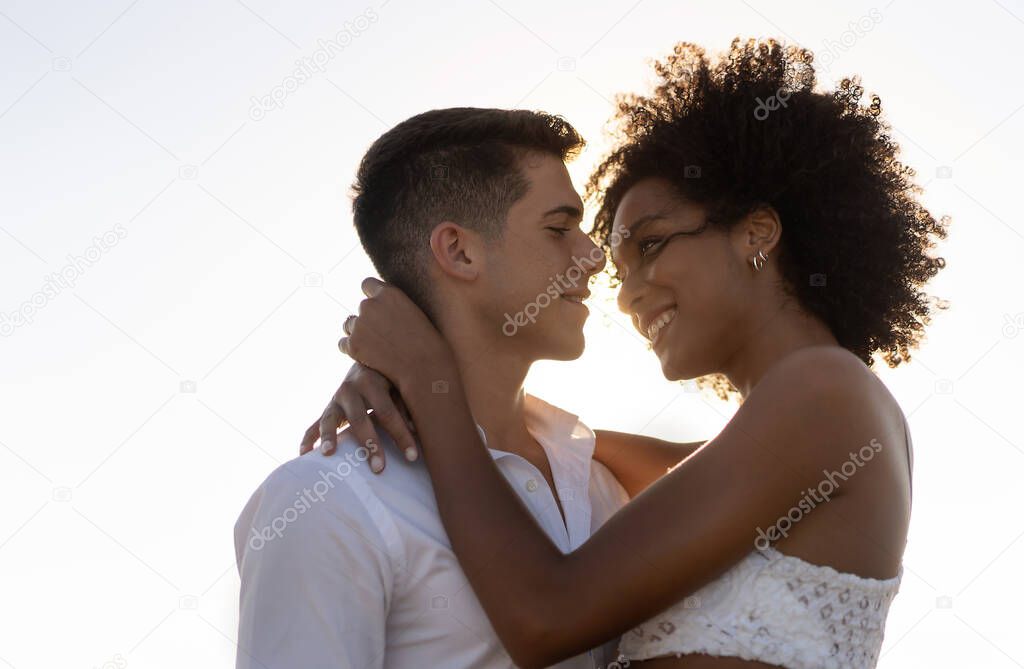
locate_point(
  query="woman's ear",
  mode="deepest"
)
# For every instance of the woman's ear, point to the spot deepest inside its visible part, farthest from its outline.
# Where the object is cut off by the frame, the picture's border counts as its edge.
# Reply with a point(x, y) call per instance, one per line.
point(760, 230)
point(456, 250)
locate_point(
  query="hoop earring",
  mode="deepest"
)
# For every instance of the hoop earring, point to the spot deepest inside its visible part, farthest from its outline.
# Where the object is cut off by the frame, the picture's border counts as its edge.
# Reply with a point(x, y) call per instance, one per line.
point(759, 260)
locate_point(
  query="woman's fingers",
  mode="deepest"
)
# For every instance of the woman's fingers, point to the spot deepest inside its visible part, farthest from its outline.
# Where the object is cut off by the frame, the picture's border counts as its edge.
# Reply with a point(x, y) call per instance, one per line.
point(309, 439)
point(391, 419)
point(360, 425)
point(332, 418)
point(364, 389)
point(406, 416)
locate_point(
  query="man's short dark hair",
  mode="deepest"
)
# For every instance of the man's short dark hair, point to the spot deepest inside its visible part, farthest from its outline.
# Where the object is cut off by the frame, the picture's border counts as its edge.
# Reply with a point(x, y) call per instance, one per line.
point(460, 165)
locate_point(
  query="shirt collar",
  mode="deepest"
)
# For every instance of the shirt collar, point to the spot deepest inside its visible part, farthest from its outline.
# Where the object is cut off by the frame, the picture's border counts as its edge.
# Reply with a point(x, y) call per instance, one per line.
point(569, 447)
point(561, 433)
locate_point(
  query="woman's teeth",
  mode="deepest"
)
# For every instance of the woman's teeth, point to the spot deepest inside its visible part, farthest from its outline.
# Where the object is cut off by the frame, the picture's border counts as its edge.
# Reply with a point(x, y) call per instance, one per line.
point(662, 321)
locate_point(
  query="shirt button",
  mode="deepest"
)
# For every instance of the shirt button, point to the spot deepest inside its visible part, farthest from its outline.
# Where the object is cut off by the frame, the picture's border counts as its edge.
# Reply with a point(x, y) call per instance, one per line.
point(531, 485)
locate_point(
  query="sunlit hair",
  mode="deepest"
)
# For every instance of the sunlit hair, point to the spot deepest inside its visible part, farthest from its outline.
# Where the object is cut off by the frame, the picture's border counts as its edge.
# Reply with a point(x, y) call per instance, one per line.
point(749, 129)
point(460, 165)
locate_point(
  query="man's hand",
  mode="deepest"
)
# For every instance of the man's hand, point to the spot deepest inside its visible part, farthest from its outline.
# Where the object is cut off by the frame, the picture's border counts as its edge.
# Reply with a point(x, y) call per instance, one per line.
point(364, 389)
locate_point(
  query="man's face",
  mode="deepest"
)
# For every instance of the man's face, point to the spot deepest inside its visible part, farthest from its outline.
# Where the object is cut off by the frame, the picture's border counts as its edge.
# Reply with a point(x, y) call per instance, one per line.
point(537, 273)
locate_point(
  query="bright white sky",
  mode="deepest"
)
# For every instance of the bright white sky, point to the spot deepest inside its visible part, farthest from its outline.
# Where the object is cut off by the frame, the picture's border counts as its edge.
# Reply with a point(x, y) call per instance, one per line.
point(143, 404)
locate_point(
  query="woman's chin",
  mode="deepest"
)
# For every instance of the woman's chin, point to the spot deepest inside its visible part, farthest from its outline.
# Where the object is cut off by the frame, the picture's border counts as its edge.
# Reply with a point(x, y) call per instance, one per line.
point(670, 367)
point(677, 367)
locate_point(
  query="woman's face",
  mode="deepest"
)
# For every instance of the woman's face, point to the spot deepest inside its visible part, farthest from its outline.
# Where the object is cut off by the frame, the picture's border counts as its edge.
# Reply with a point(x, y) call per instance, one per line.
point(688, 294)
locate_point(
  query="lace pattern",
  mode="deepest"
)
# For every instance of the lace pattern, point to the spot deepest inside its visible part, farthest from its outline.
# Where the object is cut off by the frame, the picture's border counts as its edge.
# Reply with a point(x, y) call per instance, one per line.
point(777, 609)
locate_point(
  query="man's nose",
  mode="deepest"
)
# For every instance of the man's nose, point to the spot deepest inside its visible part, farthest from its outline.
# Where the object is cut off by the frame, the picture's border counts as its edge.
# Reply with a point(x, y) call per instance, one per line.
point(594, 257)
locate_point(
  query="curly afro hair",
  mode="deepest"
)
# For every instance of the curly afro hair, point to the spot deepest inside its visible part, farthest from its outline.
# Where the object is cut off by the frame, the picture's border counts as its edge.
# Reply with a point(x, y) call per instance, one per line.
point(749, 130)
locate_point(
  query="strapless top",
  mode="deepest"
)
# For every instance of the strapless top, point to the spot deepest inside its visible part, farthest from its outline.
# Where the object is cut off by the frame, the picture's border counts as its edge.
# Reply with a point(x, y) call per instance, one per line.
point(777, 609)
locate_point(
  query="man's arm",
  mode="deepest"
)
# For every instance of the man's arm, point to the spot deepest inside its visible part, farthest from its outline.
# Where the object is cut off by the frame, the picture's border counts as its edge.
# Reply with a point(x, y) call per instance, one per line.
point(638, 461)
point(316, 575)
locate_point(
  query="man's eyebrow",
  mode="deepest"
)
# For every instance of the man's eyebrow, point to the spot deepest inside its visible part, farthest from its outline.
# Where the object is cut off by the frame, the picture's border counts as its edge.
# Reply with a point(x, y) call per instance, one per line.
point(570, 210)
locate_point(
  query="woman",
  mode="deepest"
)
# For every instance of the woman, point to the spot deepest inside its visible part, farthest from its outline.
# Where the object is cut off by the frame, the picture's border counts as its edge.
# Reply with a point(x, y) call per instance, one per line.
point(774, 240)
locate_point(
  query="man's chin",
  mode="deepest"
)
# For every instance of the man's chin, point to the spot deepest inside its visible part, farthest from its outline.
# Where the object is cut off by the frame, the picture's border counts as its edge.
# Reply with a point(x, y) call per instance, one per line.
point(564, 350)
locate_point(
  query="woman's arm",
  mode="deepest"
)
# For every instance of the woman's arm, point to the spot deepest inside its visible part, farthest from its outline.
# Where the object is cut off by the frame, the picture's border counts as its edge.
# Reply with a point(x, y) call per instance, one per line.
point(804, 416)
point(638, 461)
point(679, 534)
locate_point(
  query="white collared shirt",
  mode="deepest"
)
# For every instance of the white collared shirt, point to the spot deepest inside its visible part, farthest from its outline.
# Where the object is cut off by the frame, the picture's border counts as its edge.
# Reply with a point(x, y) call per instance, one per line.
point(348, 569)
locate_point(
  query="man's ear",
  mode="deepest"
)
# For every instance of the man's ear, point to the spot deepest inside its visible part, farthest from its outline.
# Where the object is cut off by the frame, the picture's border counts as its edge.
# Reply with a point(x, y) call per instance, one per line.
point(457, 251)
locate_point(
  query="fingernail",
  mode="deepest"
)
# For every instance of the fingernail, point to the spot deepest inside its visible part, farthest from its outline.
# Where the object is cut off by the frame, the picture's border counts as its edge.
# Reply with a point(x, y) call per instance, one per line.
point(328, 447)
point(410, 453)
point(376, 464)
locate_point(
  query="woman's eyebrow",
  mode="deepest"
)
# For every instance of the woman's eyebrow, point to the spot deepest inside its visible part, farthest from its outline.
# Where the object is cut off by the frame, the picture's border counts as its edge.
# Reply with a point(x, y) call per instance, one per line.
point(634, 227)
point(627, 238)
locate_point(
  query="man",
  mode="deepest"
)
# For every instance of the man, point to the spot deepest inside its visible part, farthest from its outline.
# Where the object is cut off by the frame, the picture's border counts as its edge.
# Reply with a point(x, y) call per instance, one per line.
point(473, 214)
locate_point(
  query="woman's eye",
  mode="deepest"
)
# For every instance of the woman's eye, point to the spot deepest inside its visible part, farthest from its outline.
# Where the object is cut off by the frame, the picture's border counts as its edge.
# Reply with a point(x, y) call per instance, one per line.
point(645, 245)
point(561, 231)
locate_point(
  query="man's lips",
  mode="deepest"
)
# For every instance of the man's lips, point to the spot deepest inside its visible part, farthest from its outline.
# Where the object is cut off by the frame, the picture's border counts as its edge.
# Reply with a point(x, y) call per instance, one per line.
point(577, 297)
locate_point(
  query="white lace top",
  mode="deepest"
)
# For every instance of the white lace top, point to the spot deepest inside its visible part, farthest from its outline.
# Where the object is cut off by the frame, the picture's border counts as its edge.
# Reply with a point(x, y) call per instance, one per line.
point(777, 609)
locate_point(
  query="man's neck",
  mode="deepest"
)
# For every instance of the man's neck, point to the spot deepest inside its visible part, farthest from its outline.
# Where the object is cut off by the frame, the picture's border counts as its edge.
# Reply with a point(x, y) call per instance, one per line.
point(495, 394)
point(493, 382)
